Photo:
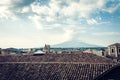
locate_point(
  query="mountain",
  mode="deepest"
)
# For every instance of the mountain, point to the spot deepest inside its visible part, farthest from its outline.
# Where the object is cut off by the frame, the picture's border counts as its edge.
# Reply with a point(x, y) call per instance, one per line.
point(74, 44)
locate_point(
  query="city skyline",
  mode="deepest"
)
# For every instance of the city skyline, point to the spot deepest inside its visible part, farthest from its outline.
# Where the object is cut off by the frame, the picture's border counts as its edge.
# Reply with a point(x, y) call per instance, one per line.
point(33, 23)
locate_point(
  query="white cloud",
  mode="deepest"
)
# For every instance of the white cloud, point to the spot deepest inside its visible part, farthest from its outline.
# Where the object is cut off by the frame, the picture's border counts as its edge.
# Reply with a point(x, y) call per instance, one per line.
point(92, 21)
point(68, 34)
point(41, 10)
point(61, 14)
point(4, 2)
point(71, 10)
point(83, 8)
point(25, 10)
point(37, 21)
point(112, 9)
point(106, 33)
point(56, 13)
point(5, 12)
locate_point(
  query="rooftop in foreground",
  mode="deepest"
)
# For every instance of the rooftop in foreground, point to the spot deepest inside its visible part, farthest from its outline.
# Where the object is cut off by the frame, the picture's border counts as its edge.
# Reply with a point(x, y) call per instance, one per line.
point(78, 66)
point(73, 57)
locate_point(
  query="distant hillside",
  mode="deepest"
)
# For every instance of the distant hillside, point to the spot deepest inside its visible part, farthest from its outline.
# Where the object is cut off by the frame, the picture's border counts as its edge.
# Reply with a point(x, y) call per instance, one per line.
point(74, 44)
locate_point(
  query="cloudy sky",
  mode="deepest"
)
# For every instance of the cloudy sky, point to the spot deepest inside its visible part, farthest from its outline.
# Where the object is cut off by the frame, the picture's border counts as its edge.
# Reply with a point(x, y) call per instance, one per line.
point(32, 23)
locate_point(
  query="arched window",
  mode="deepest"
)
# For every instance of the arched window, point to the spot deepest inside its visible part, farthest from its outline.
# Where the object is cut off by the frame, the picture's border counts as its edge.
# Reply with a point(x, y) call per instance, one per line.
point(113, 50)
point(119, 50)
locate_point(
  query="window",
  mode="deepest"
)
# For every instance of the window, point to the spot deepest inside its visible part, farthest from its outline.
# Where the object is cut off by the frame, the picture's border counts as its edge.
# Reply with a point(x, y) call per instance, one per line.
point(113, 50)
point(119, 50)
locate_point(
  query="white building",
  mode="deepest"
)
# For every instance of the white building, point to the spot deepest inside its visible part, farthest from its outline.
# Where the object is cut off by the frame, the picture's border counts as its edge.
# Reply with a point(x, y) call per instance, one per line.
point(114, 50)
point(39, 52)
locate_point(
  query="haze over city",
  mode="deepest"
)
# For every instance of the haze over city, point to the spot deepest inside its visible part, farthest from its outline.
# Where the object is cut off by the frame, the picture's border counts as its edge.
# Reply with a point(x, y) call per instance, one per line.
point(33, 23)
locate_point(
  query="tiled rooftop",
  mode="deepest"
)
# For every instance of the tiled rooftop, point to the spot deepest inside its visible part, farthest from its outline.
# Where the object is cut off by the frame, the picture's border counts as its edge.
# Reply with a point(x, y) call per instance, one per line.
point(80, 57)
point(56, 71)
point(78, 66)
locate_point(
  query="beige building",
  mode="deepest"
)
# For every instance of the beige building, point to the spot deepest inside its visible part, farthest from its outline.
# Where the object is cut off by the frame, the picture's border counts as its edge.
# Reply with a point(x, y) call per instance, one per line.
point(114, 50)
point(0, 51)
point(9, 51)
point(3, 53)
point(46, 49)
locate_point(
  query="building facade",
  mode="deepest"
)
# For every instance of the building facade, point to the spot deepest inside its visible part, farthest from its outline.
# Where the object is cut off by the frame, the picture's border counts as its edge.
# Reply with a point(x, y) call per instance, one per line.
point(0, 50)
point(46, 49)
point(114, 50)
